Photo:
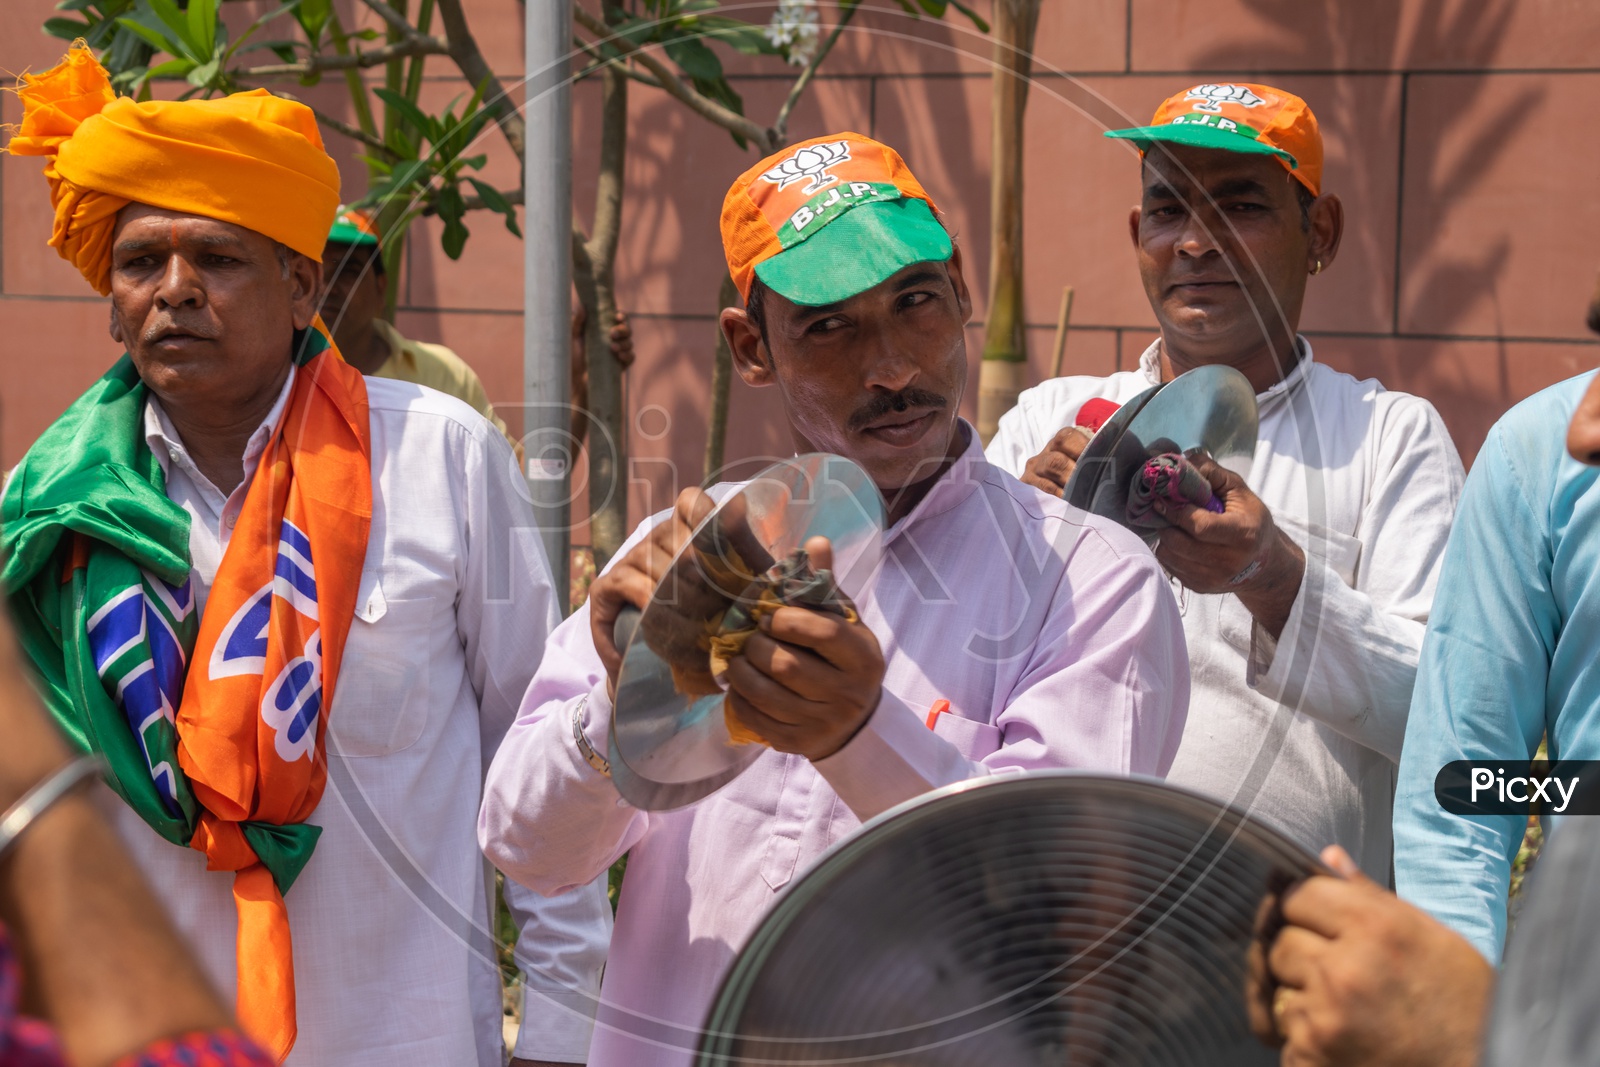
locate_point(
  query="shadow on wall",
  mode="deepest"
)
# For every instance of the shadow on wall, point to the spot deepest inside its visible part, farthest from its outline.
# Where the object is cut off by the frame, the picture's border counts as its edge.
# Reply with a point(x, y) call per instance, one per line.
point(1441, 290)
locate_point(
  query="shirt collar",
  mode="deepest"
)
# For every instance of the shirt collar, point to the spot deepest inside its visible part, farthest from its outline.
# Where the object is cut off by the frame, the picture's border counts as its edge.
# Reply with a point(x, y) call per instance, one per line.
point(167, 446)
point(964, 475)
point(398, 352)
point(1150, 365)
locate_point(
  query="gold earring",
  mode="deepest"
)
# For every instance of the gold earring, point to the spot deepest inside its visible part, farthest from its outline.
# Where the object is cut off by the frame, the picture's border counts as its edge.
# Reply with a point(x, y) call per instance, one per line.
point(1318, 268)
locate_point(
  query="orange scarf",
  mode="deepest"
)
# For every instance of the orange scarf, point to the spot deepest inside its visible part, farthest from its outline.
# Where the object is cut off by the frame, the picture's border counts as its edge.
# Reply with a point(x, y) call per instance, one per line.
point(260, 684)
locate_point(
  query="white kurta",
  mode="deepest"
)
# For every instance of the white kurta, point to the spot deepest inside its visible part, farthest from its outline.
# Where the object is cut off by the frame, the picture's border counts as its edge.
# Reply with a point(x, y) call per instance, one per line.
point(393, 950)
point(1306, 730)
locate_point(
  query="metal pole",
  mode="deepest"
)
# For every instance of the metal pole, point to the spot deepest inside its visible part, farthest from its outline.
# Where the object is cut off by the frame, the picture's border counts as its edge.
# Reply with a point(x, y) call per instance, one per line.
point(547, 308)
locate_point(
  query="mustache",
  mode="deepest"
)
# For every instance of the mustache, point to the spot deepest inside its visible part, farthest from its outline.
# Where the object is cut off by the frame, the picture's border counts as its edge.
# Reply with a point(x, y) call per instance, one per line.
point(159, 329)
point(893, 404)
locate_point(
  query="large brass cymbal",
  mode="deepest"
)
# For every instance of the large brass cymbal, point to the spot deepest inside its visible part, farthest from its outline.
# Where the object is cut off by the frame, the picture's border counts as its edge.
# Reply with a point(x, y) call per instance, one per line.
point(1019, 920)
point(1211, 408)
point(669, 744)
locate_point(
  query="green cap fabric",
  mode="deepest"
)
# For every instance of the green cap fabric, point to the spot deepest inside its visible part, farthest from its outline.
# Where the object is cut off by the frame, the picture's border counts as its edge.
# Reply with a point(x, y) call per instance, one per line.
point(351, 227)
point(1237, 139)
point(861, 245)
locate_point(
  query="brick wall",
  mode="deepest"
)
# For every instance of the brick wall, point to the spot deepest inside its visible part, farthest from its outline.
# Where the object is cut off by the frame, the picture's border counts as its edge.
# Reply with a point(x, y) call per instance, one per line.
point(1458, 133)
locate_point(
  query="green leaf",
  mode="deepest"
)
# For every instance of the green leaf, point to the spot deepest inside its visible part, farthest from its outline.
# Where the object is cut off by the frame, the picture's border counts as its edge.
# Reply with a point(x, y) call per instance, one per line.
point(202, 20)
point(66, 29)
point(492, 198)
point(156, 40)
point(177, 23)
point(202, 76)
point(934, 7)
point(696, 60)
point(420, 120)
point(740, 36)
point(637, 31)
point(313, 17)
point(172, 68)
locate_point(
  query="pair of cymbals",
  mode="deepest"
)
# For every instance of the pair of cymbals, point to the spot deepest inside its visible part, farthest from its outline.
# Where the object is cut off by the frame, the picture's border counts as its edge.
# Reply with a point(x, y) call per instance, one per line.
point(1025, 920)
point(669, 743)
point(1209, 408)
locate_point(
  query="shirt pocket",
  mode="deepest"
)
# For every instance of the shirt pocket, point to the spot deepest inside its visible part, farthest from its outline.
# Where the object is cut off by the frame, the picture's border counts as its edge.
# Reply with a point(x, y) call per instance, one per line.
point(1340, 552)
point(974, 740)
point(380, 705)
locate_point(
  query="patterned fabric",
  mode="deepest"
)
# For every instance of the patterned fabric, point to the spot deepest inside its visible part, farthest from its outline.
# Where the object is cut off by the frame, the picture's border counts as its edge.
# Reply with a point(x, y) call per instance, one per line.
point(227, 759)
point(1172, 479)
point(212, 1048)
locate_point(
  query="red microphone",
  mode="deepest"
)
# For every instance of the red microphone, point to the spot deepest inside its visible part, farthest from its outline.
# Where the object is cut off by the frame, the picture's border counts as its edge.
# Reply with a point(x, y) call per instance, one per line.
point(1095, 413)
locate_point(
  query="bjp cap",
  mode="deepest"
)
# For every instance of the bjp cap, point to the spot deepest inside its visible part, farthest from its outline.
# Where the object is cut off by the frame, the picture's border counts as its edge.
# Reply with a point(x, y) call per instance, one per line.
point(1239, 117)
point(828, 218)
point(352, 226)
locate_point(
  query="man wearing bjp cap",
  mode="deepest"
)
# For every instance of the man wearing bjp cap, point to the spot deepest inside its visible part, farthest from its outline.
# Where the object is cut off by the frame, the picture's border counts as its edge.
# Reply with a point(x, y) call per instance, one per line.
point(1005, 629)
point(291, 608)
point(1305, 599)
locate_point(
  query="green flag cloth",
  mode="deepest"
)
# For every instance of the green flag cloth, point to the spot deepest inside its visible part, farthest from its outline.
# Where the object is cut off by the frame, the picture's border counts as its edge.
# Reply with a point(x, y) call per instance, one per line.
point(97, 573)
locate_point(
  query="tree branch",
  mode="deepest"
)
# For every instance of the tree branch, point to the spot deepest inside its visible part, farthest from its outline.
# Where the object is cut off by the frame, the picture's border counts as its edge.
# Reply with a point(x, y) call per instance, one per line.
point(780, 125)
point(339, 126)
point(358, 59)
point(599, 61)
point(401, 24)
point(703, 106)
point(464, 50)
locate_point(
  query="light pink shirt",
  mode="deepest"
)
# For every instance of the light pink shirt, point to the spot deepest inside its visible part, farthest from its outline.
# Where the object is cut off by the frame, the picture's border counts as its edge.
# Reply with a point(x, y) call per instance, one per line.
point(1051, 633)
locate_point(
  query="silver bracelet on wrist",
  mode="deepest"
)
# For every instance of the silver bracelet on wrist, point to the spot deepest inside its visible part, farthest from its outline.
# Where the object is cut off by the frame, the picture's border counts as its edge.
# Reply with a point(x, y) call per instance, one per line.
point(585, 749)
point(36, 801)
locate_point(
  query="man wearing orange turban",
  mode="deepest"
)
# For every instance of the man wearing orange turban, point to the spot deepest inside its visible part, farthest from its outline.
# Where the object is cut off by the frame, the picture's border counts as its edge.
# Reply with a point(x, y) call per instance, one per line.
point(213, 583)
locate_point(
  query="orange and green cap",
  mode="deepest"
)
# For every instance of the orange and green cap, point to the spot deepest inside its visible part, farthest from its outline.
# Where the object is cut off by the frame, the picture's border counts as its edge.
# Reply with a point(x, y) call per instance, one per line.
point(1239, 117)
point(828, 218)
point(352, 226)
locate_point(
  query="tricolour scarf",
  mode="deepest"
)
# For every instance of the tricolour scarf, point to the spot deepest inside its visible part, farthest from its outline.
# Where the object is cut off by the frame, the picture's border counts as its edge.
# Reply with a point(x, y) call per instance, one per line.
point(212, 728)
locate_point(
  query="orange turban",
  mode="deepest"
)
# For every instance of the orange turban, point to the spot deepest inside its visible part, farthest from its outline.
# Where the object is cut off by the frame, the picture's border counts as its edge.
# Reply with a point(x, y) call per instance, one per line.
point(251, 159)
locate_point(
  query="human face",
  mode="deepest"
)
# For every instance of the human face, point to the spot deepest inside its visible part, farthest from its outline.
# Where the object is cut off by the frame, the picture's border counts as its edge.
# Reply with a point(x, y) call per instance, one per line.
point(205, 308)
point(1583, 433)
point(1224, 251)
point(352, 296)
point(876, 378)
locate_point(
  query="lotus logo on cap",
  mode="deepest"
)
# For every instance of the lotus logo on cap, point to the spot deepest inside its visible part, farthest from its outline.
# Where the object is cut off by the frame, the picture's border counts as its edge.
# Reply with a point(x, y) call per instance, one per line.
point(1212, 97)
point(813, 162)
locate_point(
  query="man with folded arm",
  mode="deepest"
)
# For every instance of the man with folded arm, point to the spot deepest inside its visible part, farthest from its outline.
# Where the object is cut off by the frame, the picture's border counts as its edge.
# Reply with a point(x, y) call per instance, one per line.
point(292, 608)
point(1304, 600)
point(1005, 630)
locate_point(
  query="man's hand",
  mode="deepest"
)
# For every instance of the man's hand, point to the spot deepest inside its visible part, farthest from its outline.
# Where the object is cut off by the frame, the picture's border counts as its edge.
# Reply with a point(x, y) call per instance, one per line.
point(808, 681)
point(634, 578)
point(1239, 550)
point(1357, 976)
point(1050, 469)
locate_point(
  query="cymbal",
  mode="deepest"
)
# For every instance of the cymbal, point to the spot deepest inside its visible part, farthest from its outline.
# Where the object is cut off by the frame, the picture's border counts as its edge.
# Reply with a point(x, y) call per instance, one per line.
point(1052, 918)
point(1211, 408)
point(669, 743)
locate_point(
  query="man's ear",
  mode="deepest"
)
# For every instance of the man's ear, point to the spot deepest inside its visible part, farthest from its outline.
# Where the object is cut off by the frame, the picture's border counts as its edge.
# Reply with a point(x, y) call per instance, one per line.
point(958, 279)
point(115, 326)
point(1327, 229)
point(750, 357)
point(305, 288)
point(1133, 225)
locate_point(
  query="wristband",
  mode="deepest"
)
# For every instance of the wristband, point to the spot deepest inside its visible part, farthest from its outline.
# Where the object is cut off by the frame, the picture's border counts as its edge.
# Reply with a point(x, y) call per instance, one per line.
point(41, 797)
point(585, 749)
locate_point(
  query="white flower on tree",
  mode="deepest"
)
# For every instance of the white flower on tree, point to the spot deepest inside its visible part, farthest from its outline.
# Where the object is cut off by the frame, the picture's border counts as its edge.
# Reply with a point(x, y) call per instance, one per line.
point(794, 28)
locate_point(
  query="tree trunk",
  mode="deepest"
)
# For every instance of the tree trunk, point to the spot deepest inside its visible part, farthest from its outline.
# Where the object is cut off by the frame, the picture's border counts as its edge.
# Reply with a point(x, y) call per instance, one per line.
point(1005, 351)
point(608, 454)
point(721, 380)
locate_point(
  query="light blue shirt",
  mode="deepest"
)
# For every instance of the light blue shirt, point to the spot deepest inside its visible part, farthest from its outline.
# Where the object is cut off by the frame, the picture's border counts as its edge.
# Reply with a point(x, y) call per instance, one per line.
point(1511, 654)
